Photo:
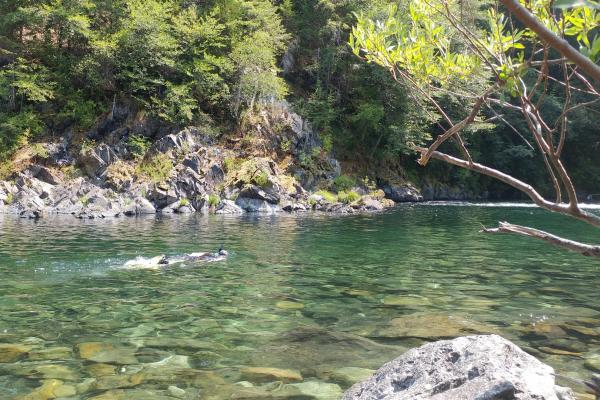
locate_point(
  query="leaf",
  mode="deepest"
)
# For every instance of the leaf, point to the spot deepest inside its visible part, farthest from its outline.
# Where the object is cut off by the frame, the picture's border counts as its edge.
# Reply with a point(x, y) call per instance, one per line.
point(576, 3)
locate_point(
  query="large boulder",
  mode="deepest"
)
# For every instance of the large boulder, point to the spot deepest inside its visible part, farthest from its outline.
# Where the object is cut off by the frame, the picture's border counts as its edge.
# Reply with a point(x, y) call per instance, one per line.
point(139, 206)
point(44, 174)
point(484, 367)
point(256, 205)
point(183, 142)
point(402, 193)
point(228, 207)
point(95, 161)
point(269, 193)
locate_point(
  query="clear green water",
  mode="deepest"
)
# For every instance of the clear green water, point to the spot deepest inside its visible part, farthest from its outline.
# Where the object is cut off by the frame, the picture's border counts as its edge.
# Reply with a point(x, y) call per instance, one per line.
point(311, 293)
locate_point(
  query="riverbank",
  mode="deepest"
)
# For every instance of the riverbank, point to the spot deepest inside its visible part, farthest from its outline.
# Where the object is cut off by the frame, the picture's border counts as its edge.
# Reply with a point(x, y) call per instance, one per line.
point(118, 168)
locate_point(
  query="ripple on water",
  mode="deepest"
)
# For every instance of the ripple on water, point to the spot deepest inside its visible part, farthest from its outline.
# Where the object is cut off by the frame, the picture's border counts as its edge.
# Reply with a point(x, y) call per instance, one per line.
point(326, 298)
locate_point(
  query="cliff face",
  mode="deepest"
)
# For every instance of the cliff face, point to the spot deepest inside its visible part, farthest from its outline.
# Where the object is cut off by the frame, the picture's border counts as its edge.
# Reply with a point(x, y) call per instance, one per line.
point(128, 165)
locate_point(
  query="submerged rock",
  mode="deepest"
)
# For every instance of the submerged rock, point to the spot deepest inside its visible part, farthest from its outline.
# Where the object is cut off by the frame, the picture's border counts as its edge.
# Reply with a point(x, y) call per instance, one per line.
point(136, 394)
point(485, 367)
point(50, 353)
point(350, 375)
point(430, 326)
point(592, 362)
point(107, 353)
point(289, 305)
point(264, 374)
point(50, 389)
point(310, 390)
point(12, 352)
point(308, 347)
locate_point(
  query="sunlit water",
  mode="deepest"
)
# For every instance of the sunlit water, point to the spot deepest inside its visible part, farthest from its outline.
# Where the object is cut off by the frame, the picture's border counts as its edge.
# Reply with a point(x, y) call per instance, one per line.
point(311, 293)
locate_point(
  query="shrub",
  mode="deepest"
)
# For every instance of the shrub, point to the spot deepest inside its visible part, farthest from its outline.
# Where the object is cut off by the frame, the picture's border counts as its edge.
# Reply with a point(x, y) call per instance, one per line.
point(232, 164)
point(38, 150)
point(87, 146)
point(17, 129)
point(119, 173)
point(343, 183)
point(138, 146)
point(6, 169)
point(343, 197)
point(377, 194)
point(9, 199)
point(369, 183)
point(327, 196)
point(71, 171)
point(184, 202)
point(261, 179)
point(213, 200)
point(285, 145)
point(156, 168)
point(353, 196)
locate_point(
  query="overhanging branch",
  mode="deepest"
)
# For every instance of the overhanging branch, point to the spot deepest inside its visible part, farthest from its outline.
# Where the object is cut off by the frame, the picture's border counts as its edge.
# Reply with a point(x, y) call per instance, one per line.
point(560, 44)
point(526, 188)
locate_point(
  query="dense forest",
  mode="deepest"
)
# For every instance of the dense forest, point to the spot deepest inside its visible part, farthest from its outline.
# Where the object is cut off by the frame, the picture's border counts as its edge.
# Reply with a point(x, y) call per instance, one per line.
point(64, 63)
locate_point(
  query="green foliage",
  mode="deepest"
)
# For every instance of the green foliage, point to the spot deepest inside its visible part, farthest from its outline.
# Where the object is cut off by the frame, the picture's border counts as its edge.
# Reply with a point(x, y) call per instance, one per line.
point(261, 179)
point(184, 202)
point(327, 196)
point(23, 81)
point(348, 197)
point(78, 110)
point(213, 200)
point(138, 146)
point(353, 196)
point(255, 54)
point(87, 145)
point(71, 172)
point(38, 150)
point(377, 194)
point(17, 129)
point(231, 164)
point(157, 168)
point(343, 183)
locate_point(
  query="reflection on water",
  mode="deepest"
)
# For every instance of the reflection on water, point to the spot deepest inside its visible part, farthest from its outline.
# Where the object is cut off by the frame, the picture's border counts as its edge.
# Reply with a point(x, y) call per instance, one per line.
point(311, 293)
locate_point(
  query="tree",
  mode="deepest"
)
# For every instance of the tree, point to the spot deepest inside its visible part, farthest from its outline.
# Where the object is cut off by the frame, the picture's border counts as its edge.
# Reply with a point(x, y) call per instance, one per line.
point(438, 49)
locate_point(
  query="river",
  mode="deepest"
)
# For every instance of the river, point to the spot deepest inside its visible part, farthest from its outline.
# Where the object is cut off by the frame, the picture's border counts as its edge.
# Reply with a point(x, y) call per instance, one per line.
point(311, 293)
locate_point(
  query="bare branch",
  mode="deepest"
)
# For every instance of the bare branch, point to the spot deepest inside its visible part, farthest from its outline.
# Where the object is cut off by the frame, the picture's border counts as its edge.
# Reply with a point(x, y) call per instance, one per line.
point(581, 248)
point(501, 117)
point(454, 130)
point(526, 188)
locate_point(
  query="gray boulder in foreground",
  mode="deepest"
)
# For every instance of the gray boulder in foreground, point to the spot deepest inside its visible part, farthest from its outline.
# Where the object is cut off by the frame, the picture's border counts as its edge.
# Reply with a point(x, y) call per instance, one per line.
point(483, 367)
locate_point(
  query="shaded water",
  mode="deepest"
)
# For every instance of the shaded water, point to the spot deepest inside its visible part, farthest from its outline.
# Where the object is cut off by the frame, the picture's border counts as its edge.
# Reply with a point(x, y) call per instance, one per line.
point(313, 293)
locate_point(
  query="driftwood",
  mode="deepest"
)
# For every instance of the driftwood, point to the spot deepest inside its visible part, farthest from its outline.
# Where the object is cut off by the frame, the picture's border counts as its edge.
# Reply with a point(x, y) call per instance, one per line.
point(582, 248)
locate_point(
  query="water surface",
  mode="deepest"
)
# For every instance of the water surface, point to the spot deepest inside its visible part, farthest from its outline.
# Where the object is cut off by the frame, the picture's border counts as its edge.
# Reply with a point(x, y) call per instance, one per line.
point(313, 293)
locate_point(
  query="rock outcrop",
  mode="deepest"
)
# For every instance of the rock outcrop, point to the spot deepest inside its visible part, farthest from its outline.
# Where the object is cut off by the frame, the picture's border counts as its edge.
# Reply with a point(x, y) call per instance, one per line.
point(131, 166)
point(402, 193)
point(484, 367)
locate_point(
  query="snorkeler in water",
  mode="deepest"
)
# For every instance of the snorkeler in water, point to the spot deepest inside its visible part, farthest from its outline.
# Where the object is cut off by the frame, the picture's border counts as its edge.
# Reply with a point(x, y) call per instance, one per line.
point(164, 260)
point(205, 256)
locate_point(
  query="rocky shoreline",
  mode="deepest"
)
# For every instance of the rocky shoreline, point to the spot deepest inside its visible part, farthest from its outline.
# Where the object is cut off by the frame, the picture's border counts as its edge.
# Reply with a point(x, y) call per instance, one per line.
point(188, 171)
